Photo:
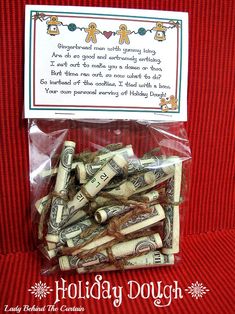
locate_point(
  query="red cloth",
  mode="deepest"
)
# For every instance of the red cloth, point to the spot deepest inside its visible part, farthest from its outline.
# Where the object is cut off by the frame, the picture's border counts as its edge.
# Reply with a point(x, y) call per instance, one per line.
point(208, 246)
point(205, 260)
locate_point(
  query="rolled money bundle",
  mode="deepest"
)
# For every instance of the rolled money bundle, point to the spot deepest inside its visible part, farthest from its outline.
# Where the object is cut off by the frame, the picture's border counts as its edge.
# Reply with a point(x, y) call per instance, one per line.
point(120, 250)
point(86, 171)
point(172, 223)
point(104, 213)
point(151, 259)
point(73, 233)
point(135, 224)
point(57, 213)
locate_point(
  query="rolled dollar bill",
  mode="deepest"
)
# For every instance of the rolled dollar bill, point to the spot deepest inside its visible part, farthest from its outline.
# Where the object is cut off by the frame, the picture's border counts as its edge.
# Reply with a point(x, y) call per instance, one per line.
point(86, 171)
point(114, 183)
point(127, 188)
point(140, 222)
point(76, 241)
point(42, 203)
point(58, 213)
point(150, 196)
point(78, 202)
point(126, 152)
point(162, 172)
point(138, 165)
point(151, 259)
point(113, 167)
point(171, 230)
point(66, 159)
point(120, 250)
point(80, 215)
point(166, 164)
point(104, 213)
point(74, 230)
point(172, 223)
point(142, 181)
point(174, 184)
point(69, 235)
point(51, 253)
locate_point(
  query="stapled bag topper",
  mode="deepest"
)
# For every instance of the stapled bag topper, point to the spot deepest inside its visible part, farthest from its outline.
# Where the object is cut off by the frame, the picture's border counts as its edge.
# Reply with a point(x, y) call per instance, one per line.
point(107, 63)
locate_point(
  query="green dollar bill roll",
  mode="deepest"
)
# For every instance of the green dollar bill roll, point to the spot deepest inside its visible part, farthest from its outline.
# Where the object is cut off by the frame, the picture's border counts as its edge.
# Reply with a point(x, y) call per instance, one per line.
point(120, 250)
point(104, 213)
point(151, 259)
point(172, 221)
point(58, 206)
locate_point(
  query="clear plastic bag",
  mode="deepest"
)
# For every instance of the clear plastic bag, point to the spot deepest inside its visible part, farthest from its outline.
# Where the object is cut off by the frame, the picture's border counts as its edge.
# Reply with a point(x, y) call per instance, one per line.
point(107, 195)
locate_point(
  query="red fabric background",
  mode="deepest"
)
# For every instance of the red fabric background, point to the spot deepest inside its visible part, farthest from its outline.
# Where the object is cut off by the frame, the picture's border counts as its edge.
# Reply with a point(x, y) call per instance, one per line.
point(208, 246)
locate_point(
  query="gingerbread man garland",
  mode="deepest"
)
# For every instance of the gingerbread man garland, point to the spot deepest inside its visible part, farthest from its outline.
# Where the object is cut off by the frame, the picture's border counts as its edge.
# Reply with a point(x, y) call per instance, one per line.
point(123, 32)
point(91, 31)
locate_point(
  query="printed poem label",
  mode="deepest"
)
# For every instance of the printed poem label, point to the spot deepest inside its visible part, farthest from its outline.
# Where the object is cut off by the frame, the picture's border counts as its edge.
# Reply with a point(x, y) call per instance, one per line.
point(105, 63)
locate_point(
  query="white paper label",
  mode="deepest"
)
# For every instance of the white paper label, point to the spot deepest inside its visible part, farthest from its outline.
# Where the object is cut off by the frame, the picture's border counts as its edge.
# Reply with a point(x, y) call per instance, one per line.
point(105, 63)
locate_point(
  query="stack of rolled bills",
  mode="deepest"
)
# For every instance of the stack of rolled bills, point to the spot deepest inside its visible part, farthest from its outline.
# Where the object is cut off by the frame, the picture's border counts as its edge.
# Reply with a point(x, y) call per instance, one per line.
point(111, 210)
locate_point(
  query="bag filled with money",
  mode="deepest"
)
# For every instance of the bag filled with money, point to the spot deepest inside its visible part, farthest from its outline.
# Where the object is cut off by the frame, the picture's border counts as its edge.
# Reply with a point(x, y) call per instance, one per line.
point(109, 209)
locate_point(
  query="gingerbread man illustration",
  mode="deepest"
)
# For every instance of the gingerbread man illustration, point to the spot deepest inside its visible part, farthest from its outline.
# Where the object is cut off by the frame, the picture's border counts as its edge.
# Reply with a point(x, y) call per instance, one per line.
point(91, 31)
point(123, 32)
point(173, 102)
point(160, 31)
point(163, 105)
